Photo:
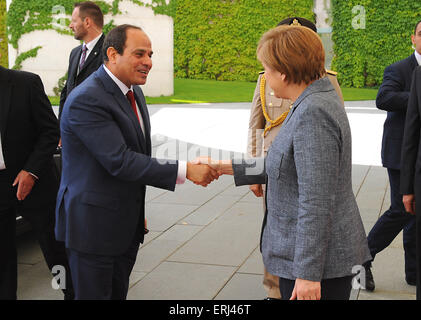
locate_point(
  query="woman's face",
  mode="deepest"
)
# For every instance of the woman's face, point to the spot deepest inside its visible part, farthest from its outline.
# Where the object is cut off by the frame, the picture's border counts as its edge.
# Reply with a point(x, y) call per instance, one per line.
point(276, 81)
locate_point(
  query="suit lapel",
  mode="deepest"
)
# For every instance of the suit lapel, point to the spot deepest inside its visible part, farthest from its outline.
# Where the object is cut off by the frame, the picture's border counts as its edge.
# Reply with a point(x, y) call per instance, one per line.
point(6, 84)
point(74, 66)
point(145, 116)
point(124, 104)
point(414, 62)
point(96, 51)
point(291, 111)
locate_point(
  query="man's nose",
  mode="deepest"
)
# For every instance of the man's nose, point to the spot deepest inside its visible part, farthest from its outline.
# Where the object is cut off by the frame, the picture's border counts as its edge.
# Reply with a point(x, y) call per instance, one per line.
point(148, 62)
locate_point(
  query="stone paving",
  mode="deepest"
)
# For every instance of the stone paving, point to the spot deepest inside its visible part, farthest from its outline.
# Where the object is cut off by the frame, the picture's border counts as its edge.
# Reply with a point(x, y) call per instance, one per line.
point(204, 244)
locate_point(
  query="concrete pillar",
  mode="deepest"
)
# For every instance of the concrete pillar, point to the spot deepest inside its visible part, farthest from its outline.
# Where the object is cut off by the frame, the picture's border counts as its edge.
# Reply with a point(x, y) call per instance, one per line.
point(323, 12)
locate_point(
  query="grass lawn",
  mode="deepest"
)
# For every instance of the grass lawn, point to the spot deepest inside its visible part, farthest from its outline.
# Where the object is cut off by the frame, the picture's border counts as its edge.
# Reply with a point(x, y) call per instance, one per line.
point(210, 91)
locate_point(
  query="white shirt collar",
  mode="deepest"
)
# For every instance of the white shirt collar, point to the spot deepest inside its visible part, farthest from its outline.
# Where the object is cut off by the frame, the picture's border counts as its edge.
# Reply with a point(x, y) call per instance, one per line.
point(418, 57)
point(118, 82)
point(91, 44)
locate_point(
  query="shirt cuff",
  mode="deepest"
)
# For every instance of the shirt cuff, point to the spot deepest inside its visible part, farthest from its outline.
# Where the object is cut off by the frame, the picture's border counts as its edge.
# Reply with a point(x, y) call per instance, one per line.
point(33, 175)
point(182, 172)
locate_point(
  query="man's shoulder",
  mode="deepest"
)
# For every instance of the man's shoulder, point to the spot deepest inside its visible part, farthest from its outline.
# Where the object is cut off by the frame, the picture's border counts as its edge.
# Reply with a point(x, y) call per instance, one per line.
point(76, 49)
point(403, 64)
point(91, 86)
point(18, 76)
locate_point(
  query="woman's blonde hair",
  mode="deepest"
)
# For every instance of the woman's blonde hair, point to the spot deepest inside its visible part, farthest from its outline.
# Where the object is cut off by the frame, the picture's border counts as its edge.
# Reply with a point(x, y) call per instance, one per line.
point(295, 51)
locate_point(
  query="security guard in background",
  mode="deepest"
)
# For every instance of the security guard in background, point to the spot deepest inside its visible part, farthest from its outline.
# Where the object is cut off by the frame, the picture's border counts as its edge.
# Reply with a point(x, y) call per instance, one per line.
point(266, 117)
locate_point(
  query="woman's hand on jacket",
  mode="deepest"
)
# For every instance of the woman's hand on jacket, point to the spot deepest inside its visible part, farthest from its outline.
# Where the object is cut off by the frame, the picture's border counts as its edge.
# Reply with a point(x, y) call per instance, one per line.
point(306, 290)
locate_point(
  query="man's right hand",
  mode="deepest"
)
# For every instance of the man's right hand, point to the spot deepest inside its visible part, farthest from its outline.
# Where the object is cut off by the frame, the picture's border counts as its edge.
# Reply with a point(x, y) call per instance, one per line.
point(409, 203)
point(257, 189)
point(201, 174)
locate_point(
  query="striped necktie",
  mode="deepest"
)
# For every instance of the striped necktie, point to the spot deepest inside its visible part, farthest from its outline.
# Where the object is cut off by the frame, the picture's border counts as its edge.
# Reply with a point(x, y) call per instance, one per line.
point(83, 57)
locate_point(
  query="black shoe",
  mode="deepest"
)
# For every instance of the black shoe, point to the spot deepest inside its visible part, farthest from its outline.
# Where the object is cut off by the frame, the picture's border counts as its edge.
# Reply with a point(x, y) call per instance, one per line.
point(369, 281)
point(268, 298)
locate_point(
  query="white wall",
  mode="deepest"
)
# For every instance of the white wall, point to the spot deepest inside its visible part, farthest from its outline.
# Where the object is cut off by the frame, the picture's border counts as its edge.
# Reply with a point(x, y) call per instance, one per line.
point(52, 60)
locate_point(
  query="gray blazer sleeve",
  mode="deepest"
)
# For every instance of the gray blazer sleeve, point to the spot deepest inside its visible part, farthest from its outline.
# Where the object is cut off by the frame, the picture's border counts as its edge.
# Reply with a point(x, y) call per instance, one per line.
point(249, 171)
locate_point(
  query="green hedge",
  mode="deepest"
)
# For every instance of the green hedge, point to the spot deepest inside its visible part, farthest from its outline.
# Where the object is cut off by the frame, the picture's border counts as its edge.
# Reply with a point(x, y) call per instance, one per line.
point(362, 54)
point(3, 37)
point(217, 39)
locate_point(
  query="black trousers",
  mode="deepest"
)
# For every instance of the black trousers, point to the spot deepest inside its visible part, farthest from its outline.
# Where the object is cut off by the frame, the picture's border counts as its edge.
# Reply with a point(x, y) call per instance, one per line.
point(99, 277)
point(417, 188)
point(331, 289)
point(42, 221)
point(391, 223)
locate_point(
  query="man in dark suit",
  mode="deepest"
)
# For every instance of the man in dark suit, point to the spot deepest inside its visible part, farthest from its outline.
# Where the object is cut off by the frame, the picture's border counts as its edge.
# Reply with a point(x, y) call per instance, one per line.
point(411, 159)
point(105, 130)
point(28, 180)
point(87, 23)
point(393, 97)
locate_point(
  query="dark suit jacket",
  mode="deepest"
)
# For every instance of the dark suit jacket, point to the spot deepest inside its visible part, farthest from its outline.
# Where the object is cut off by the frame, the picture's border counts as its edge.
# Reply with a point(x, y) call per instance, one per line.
point(94, 61)
point(411, 157)
point(393, 97)
point(106, 165)
point(29, 133)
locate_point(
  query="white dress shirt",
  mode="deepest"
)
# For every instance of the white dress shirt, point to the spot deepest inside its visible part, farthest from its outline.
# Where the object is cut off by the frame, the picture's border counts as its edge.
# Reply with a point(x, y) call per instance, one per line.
point(182, 165)
point(2, 164)
point(418, 57)
point(90, 46)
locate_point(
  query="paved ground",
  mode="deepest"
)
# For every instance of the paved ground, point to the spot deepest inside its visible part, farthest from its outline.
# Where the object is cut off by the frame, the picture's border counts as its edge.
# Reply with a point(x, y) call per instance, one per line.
point(203, 242)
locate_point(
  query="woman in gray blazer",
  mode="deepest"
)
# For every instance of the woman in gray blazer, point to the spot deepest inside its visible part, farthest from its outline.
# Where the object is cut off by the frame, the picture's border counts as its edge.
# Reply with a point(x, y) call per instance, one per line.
point(312, 236)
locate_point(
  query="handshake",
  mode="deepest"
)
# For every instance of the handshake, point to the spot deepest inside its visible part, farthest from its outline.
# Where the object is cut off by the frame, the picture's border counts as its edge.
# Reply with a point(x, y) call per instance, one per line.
point(203, 170)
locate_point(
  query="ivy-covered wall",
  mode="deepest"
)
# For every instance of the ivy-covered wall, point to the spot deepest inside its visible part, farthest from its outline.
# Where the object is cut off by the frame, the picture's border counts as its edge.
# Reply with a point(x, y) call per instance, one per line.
point(3, 37)
point(217, 39)
point(25, 16)
point(369, 35)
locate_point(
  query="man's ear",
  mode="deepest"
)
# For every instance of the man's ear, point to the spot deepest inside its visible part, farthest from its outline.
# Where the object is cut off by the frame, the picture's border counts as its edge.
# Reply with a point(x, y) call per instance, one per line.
point(87, 22)
point(112, 55)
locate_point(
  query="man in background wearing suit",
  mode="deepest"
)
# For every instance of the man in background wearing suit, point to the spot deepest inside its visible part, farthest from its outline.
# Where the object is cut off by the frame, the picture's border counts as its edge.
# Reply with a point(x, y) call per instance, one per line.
point(411, 159)
point(266, 117)
point(28, 181)
point(87, 23)
point(107, 164)
point(393, 97)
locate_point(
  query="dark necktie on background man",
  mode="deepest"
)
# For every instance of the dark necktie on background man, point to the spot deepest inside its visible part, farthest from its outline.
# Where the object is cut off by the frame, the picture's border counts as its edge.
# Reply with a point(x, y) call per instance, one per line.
point(83, 57)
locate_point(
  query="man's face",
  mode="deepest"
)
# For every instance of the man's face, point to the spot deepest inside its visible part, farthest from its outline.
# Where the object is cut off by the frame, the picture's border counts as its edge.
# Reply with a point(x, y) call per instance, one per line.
point(416, 39)
point(77, 25)
point(133, 66)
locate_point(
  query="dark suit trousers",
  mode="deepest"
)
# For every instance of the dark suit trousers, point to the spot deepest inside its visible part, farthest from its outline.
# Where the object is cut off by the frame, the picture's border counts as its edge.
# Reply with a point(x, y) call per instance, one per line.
point(98, 277)
point(331, 289)
point(418, 229)
point(42, 222)
point(391, 223)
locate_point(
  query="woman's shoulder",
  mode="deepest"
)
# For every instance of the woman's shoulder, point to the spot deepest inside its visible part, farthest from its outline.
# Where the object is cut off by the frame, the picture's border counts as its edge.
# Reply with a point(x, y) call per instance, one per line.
point(321, 94)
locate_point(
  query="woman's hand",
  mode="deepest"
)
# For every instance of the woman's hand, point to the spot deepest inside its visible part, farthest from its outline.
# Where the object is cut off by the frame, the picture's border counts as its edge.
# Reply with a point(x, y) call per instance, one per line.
point(306, 290)
point(221, 166)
